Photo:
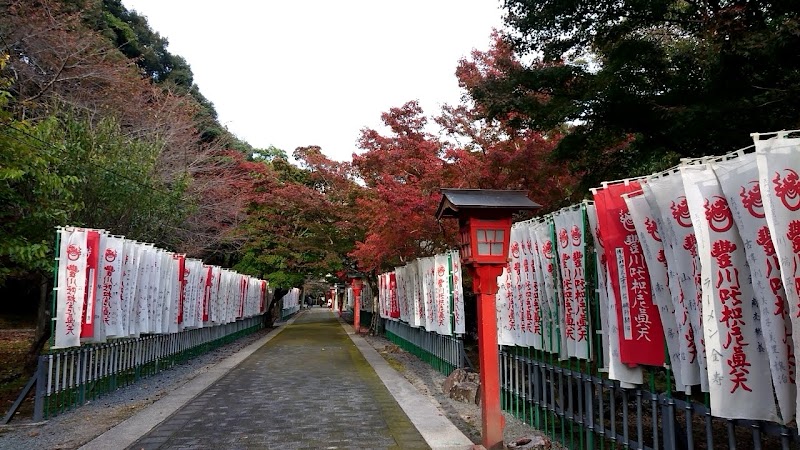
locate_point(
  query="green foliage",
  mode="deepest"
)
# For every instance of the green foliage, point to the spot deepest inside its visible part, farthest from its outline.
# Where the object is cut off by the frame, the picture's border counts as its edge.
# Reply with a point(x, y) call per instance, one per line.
point(34, 193)
point(643, 83)
point(269, 154)
point(66, 170)
point(118, 188)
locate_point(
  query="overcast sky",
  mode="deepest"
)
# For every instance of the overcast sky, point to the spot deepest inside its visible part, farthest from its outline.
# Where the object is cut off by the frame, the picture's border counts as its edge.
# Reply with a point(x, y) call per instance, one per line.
point(315, 72)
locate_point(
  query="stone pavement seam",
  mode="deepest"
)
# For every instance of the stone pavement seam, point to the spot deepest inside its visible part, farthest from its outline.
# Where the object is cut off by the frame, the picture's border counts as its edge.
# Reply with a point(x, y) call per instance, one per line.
point(130, 430)
point(437, 430)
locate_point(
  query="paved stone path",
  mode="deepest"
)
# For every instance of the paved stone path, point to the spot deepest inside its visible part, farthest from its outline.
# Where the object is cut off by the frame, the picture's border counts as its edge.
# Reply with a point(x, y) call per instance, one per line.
point(308, 388)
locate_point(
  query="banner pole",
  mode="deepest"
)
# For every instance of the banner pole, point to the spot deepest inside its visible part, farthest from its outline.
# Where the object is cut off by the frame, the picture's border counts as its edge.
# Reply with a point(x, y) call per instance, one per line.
point(53, 297)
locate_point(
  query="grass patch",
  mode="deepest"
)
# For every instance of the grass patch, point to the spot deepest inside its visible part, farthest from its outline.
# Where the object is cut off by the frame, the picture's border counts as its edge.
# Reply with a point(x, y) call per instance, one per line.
point(395, 364)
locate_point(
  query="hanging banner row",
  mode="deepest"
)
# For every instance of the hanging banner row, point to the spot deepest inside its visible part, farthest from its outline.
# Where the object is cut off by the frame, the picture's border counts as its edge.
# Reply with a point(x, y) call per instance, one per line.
point(290, 302)
point(112, 287)
point(703, 260)
point(426, 293)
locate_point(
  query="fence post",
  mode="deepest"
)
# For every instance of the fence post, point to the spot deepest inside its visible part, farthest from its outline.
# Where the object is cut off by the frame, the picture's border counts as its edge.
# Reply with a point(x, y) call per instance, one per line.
point(668, 422)
point(41, 389)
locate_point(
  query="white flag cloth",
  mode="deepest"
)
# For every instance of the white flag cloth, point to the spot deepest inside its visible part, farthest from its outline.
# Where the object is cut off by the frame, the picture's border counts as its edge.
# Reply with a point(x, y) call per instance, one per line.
point(71, 287)
point(506, 315)
point(458, 293)
point(427, 270)
point(689, 362)
point(653, 249)
point(411, 282)
point(111, 267)
point(738, 178)
point(616, 369)
point(517, 279)
point(189, 294)
point(127, 286)
point(739, 387)
point(402, 300)
point(547, 268)
point(531, 319)
point(538, 311)
point(442, 295)
point(570, 244)
point(778, 161)
point(678, 232)
point(602, 293)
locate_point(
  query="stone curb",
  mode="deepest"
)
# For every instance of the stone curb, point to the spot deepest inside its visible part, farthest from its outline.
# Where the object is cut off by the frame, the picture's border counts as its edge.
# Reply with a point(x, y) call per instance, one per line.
point(437, 430)
point(131, 429)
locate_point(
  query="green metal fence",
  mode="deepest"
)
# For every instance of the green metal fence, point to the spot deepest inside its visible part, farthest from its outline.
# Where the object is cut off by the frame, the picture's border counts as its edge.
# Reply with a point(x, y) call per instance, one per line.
point(444, 353)
point(68, 378)
point(286, 313)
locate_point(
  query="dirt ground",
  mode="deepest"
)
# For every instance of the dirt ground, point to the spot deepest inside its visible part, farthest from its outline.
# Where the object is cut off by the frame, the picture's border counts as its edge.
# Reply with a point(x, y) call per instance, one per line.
point(14, 345)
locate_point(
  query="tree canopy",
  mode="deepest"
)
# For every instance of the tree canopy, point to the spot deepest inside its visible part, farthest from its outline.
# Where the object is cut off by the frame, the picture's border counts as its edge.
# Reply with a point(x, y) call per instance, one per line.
point(639, 84)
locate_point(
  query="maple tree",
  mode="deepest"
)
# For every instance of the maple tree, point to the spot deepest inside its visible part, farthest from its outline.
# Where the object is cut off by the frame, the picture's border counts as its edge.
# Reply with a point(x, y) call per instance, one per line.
point(638, 85)
point(299, 221)
point(403, 173)
point(405, 169)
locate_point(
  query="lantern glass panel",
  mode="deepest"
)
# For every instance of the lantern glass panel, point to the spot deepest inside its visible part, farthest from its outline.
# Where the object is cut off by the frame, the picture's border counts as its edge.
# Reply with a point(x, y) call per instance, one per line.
point(490, 242)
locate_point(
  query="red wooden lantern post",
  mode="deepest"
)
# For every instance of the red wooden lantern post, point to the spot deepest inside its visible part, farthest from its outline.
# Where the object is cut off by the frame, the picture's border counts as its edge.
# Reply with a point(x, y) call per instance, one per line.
point(484, 218)
point(356, 283)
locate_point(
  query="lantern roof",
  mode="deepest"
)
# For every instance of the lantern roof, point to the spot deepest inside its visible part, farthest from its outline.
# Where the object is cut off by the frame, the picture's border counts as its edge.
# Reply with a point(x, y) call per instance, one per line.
point(456, 200)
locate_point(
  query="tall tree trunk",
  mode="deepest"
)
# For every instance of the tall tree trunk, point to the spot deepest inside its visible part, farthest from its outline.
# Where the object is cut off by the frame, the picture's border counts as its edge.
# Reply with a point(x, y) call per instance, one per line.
point(42, 324)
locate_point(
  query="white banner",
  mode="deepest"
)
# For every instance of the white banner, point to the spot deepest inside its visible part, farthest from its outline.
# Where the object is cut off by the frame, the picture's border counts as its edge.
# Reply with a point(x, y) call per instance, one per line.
point(517, 278)
point(504, 306)
point(139, 289)
point(71, 287)
point(738, 178)
point(402, 298)
point(573, 311)
point(427, 271)
point(531, 321)
point(458, 293)
point(689, 362)
point(537, 295)
point(739, 388)
point(546, 268)
point(678, 232)
point(112, 254)
point(655, 258)
point(778, 166)
point(127, 286)
point(442, 295)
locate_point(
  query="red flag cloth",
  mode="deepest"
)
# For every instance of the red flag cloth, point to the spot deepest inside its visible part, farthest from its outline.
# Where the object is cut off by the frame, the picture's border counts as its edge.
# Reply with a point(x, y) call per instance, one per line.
point(263, 296)
point(207, 292)
point(93, 245)
point(393, 293)
point(641, 336)
point(181, 282)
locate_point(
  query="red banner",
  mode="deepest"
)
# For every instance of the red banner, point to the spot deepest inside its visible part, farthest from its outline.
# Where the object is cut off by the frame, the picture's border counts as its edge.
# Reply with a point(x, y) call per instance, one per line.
point(395, 313)
point(207, 290)
point(264, 296)
point(181, 284)
point(93, 246)
point(641, 336)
